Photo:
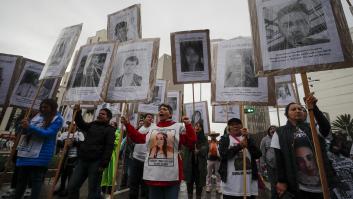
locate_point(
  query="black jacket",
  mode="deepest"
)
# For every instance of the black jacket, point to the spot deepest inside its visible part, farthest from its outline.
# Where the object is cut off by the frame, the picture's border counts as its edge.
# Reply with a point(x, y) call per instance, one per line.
point(228, 153)
point(285, 157)
point(99, 141)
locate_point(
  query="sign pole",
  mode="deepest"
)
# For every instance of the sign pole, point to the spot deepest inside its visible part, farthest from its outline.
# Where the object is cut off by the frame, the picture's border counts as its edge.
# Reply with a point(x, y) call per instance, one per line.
point(121, 135)
point(317, 146)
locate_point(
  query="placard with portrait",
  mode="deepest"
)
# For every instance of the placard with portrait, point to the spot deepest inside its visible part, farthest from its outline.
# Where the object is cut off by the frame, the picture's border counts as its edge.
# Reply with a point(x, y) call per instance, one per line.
point(133, 71)
point(174, 99)
point(9, 72)
point(89, 74)
point(61, 53)
point(285, 92)
point(198, 113)
point(28, 85)
point(191, 56)
point(158, 97)
point(292, 36)
point(234, 78)
point(125, 24)
point(221, 113)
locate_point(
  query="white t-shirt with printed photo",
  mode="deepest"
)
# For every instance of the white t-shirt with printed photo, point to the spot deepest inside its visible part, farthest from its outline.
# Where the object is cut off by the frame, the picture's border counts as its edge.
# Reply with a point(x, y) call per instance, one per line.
point(235, 180)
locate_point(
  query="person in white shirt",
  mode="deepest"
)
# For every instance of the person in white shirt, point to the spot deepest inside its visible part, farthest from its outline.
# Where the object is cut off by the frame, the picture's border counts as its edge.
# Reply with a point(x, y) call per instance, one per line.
point(137, 164)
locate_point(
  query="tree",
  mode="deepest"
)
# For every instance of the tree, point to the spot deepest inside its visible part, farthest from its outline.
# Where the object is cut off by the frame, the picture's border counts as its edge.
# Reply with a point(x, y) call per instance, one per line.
point(344, 123)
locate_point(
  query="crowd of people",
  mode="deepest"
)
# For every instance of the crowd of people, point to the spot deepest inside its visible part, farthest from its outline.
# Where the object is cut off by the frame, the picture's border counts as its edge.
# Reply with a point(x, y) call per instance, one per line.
point(165, 153)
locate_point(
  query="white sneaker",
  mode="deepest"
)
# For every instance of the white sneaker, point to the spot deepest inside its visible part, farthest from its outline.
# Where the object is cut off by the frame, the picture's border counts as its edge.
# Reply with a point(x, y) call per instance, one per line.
point(208, 189)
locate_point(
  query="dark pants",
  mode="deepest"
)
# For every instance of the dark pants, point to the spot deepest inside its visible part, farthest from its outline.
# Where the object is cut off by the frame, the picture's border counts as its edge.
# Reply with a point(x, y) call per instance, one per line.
point(135, 179)
point(195, 178)
point(83, 170)
point(309, 195)
point(237, 197)
point(33, 174)
point(67, 172)
point(273, 179)
point(168, 192)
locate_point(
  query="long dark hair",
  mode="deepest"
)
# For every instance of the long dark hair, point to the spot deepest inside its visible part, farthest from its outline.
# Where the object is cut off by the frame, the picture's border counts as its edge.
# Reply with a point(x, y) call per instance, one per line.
point(53, 107)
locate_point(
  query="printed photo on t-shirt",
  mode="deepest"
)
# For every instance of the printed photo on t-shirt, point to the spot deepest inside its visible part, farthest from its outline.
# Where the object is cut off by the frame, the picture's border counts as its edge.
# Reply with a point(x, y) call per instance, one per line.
point(161, 148)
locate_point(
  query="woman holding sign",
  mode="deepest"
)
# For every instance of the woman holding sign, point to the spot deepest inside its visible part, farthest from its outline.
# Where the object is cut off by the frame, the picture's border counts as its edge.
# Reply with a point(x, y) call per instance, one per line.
point(297, 170)
point(36, 147)
point(163, 174)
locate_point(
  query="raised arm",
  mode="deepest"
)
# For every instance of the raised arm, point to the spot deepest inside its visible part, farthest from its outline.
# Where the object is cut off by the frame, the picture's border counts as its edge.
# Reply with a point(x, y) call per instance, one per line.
point(188, 138)
point(134, 134)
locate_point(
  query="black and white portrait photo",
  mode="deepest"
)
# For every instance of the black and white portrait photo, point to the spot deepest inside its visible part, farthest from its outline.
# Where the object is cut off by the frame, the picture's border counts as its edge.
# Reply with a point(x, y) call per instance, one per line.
point(61, 53)
point(297, 25)
point(90, 70)
point(125, 24)
point(120, 31)
point(133, 73)
point(8, 66)
point(240, 69)
point(28, 86)
point(191, 56)
point(198, 113)
point(157, 97)
point(292, 36)
point(173, 99)
point(89, 74)
point(130, 75)
point(234, 79)
point(222, 113)
point(284, 93)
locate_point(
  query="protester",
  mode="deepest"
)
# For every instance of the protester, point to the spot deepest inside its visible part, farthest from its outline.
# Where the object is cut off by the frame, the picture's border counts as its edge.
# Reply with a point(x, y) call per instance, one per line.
point(94, 153)
point(73, 140)
point(163, 175)
point(137, 163)
point(343, 167)
point(231, 149)
point(268, 160)
point(109, 172)
point(195, 163)
point(297, 171)
point(213, 161)
point(36, 147)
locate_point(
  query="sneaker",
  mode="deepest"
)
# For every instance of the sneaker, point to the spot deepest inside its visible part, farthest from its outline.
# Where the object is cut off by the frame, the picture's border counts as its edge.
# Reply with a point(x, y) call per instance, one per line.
point(208, 189)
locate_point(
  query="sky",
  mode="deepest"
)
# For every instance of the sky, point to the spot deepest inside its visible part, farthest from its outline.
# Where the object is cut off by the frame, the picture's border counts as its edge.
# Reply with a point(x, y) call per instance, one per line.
point(30, 28)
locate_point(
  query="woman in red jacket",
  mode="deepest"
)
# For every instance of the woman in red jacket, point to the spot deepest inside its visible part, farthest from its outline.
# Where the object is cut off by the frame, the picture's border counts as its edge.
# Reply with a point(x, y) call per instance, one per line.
point(164, 174)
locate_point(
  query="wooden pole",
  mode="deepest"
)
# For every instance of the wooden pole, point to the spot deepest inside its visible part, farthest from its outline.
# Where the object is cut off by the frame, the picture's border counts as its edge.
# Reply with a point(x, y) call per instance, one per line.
point(279, 120)
point(18, 136)
point(65, 150)
point(200, 92)
point(227, 115)
point(124, 105)
point(193, 99)
point(296, 87)
point(317, 146)
point(242, 117)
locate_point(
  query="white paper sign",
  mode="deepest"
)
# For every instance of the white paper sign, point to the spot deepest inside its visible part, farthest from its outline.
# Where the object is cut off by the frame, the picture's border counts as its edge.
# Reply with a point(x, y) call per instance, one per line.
point(7, 67)
point(61, 53)
point(28, 85)
point(235, 75)
point(89, 74)
point(158, 97)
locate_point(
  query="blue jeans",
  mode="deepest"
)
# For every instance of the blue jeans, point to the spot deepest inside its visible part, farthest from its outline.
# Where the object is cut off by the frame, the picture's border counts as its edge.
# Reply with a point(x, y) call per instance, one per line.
point(169, 192)
point(35, 174)
point(83, 170)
